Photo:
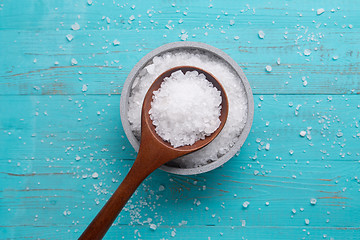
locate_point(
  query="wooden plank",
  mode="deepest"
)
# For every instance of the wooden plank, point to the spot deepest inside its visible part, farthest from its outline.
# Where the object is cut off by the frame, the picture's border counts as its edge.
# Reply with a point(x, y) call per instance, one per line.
point(41, 200)
point(49, 181)
point(59, 128)
point(63, 14)
point(46, 121)
point(104, 67)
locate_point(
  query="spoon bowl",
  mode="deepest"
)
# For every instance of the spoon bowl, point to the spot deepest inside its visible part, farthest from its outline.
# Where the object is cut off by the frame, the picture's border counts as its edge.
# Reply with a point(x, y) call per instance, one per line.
point(153, 153)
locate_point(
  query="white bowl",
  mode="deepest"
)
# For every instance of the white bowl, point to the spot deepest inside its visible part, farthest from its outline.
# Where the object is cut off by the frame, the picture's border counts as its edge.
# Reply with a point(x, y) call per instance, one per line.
point(124, 103)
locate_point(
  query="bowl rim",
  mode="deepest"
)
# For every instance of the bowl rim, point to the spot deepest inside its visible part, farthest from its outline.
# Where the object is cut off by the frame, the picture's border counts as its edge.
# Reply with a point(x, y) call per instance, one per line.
point(189, 45)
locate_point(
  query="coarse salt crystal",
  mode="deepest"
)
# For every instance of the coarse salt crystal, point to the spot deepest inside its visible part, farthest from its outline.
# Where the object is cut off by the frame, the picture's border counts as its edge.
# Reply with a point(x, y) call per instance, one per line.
point(268, 68)
point(73, 61)
point(307, 52)
point(95, 175)
point(186, 108)
point(184, 36)
point(69, 37)
point(320, 11)
point(261, 34)
point(313, 201)
point(303, 133)
point(153, 226)
point(246, 204)
point(75, 26)
point(116, 42)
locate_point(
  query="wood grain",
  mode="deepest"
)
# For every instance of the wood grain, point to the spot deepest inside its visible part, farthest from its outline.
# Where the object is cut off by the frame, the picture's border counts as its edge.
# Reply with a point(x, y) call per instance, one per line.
point(54, 136)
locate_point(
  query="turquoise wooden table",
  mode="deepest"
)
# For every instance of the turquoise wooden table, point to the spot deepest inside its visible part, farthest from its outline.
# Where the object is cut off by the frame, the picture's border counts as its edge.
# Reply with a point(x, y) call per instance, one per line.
point(63, 148)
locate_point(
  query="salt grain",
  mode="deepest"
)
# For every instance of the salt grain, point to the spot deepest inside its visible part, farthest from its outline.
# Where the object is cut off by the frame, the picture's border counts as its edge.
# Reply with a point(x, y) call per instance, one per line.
point(116, 42)
point(95, 175)
point(153, 226)
point(320, 11)
point(186, 108)
point(73, 61)
point(75, 26)
point(313, 201)
point(307, 52)
point(261, 34)
point(246, 204)
point(69, 37)
point(268, 68)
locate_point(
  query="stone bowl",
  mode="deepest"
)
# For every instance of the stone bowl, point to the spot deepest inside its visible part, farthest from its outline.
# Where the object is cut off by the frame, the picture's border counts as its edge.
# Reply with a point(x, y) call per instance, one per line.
point(124, 103)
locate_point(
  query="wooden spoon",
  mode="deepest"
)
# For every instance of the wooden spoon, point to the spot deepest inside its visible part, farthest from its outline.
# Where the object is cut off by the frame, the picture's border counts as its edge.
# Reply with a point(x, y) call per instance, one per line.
point(153, 153)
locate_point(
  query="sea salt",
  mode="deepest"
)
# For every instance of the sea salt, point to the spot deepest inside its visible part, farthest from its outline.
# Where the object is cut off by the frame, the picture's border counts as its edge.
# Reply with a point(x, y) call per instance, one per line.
point(116, 42)
point(69, 37)
point(261, 34)
point(230, 81)
point(73, 61)
point(153, 226)
point(320, 11)
point(75, 26)
point(307, 52)
point(268, 68)
point(186, 108)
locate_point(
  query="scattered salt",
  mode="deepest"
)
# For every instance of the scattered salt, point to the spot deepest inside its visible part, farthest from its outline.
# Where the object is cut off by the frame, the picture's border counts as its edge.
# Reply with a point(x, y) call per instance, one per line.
point(320, 11)
point(153, 226)
point(246, 204)
point(313, 201)
point(307, 52)
point(69, 37)
point(267, 146)
point(77, 158)
point(261, 34)
point(95, 175)
point(184, 36)
point(303, 133)
point(243, 223)
point(186, 108)
point(73, 61)
point(307, 221)
point(161, 188)
point(84, 88)
point(116, 42)
point(268, 68)
point(75, 26)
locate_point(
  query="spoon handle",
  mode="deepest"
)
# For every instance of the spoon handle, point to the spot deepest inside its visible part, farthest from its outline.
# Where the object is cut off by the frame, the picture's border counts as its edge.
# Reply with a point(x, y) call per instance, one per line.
point(104, 219)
